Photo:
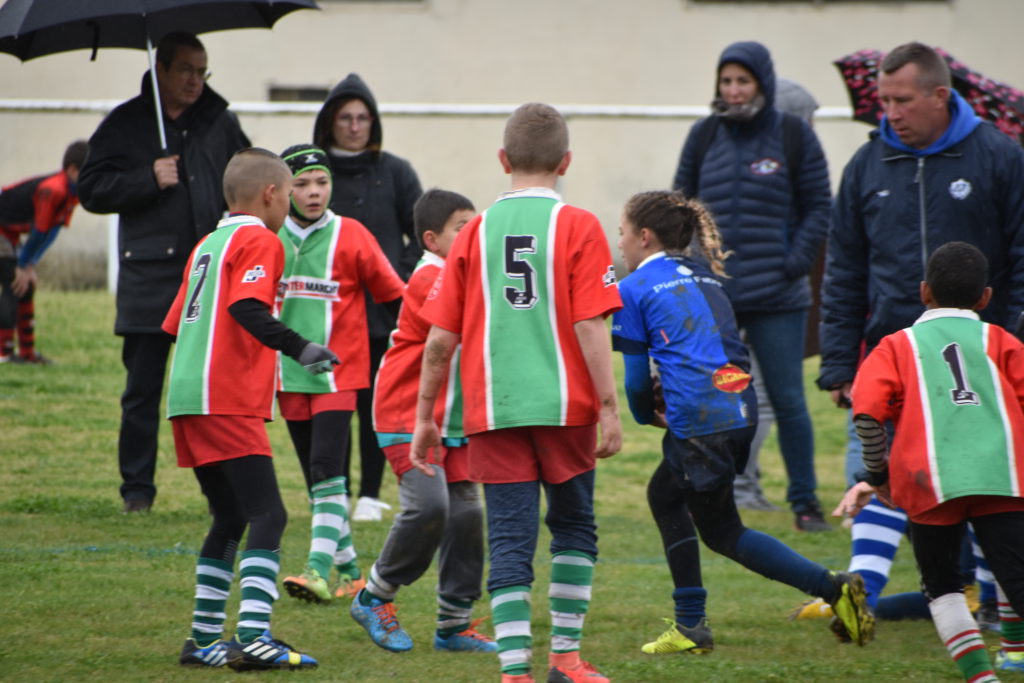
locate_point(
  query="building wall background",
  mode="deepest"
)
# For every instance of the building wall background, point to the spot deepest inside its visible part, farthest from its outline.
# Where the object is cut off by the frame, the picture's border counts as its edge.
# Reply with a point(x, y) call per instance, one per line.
point(644, 52)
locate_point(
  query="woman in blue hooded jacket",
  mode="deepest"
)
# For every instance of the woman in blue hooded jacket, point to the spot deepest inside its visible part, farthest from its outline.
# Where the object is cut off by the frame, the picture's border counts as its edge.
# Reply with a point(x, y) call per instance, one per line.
point(763, 175)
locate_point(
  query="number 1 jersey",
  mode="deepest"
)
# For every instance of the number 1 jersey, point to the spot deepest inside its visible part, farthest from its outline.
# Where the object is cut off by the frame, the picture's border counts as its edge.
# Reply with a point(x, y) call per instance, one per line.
point(518, 278)
point(954, 387)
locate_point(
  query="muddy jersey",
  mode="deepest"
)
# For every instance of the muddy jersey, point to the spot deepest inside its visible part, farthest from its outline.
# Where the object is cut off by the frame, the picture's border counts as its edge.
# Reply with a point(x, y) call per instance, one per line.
point(517, 279)
point(676, 312)
point(218, 368)
point(327, 266)
point(954, 387)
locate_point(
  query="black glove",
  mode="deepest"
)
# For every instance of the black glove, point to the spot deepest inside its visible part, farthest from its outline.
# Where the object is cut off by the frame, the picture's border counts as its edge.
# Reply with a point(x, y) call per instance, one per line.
point(317, 358)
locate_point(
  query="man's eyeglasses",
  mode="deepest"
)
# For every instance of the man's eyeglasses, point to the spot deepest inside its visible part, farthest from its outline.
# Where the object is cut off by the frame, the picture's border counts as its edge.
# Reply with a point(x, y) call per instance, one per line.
point(189, 71)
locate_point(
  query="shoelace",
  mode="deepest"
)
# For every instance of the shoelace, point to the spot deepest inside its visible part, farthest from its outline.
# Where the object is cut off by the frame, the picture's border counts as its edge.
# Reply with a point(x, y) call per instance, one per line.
point(387, 614)
point(471, 632)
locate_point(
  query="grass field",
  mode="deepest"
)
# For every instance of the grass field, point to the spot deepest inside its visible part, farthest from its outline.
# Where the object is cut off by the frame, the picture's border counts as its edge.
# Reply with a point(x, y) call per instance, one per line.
point(91, 594)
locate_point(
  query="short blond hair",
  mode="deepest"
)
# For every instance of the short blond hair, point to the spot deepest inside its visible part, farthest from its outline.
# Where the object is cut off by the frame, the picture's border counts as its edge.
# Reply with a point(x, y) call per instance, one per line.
point(536, 138)
point(250, 171)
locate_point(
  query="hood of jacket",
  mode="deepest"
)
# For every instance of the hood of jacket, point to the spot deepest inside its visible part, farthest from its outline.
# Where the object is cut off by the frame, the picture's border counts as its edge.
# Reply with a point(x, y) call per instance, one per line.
point(756, 59)
point(962, 122)
point(350, 87)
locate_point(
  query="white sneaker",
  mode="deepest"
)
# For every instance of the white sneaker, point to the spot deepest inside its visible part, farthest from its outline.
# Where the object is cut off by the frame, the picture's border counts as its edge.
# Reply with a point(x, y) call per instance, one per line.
point(369, 509)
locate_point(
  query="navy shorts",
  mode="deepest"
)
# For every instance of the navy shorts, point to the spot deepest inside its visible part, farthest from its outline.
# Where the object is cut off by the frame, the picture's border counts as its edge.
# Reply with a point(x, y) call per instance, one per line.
point(709, 461)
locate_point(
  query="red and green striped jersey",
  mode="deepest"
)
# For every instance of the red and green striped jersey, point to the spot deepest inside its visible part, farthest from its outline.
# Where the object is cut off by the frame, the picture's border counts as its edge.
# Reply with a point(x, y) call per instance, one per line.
point(218, 368)
point(517, 279)
point(327, 266)
point(954, 388)
point(398, 380)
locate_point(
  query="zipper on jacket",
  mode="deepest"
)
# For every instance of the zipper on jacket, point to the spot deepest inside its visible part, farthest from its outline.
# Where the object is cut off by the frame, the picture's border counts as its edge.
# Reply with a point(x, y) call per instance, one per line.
point(923, 219)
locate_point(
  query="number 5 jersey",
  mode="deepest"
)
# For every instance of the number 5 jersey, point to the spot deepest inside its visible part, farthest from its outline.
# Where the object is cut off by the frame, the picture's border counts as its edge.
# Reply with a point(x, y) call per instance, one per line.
point(954, 388)
point(517, 279)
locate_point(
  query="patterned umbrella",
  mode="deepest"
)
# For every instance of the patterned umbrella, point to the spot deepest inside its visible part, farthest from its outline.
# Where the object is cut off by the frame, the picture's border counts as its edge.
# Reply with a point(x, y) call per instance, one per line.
point(992, 100)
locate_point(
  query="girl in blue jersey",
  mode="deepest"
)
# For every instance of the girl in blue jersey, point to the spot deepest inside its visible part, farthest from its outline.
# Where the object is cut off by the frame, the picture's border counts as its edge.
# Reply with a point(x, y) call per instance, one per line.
point(676, 313)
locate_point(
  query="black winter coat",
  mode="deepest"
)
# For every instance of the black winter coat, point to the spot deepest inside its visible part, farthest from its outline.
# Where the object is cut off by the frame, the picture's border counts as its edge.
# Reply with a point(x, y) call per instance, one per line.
point(377, 189)
point(158, 228)
point(772, 222)
point(892, 211)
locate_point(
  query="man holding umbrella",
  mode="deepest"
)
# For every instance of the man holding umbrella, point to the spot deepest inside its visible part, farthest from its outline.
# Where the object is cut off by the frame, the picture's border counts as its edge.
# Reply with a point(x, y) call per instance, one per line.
point(932, 173)
point(168, 198)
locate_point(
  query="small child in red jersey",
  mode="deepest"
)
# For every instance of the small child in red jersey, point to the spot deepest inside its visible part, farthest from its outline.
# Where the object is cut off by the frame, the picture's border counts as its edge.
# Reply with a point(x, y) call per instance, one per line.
point(220, 393)
point(330, 261)
point(526, 288)
point(954, 388)
point(440, 511)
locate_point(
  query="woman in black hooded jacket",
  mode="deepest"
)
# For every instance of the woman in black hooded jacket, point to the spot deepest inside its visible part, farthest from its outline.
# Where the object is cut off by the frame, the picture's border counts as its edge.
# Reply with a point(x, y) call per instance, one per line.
point(379, 190)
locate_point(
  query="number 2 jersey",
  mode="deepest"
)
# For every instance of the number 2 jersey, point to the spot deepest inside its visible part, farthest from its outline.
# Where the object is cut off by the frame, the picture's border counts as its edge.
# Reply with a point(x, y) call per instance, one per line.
point(954, 388)
point(398, 380)
point(327, 266)
point(218, 368)
point(517, 279)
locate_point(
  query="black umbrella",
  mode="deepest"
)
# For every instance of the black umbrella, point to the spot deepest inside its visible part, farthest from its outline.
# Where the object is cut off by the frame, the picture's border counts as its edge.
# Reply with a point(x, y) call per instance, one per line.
point(990, 99)
point(35, 28)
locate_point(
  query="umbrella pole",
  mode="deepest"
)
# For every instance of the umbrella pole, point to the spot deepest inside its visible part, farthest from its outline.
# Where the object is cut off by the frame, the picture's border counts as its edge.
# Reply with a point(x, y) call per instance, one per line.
point(156, 96)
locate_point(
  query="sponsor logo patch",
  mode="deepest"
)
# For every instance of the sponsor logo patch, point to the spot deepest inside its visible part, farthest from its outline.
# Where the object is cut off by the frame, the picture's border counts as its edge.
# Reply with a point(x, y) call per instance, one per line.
point(254, 274)
point(730, 378)
point(609, 277)
point(311, 288)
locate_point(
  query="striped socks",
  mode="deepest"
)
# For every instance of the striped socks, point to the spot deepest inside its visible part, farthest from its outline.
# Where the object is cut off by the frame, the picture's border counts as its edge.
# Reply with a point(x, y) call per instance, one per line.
point(876, 530)
point(345, 555)
point(572, 573)
point(213, 583)
point(328, 518)
point(258, 580)
point(1011, 625)
point(453, 615)
point(510, 609)
point(960, 634)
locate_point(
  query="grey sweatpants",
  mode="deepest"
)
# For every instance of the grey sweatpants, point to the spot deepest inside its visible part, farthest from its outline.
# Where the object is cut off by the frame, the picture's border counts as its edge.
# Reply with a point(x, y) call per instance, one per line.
point(435, 515)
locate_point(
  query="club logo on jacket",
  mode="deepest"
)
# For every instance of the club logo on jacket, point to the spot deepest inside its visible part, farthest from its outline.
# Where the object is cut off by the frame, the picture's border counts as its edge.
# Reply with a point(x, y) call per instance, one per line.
point(765, 166)
point(254, 274)
point(960, 189)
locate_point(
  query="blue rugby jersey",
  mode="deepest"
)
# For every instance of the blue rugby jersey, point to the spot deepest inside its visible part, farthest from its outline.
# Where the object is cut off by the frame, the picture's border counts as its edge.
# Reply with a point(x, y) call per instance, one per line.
point(676, 312)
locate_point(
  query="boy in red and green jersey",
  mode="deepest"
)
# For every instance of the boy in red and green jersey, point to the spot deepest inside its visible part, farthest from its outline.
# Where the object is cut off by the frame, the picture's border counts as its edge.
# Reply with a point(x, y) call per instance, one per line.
point(526, 288)
point(328, 261)
point(220, 393)
point(953, 386)
point(442, 512)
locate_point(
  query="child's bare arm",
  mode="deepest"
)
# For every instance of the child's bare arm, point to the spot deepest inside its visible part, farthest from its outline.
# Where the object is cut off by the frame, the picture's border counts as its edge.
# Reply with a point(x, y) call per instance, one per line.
point(438, 350)
point(597, 353)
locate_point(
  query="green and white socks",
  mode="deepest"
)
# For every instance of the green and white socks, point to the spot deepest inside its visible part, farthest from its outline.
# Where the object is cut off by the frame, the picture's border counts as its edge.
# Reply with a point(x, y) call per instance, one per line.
point(572, 574)
point(510, 609)
point(331, 540)
point(213, 583)
point(258, 580)
point(453, 615)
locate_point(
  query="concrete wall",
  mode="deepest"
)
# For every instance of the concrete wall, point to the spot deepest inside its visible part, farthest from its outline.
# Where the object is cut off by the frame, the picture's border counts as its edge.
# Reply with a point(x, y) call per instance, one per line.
point(657, 52)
